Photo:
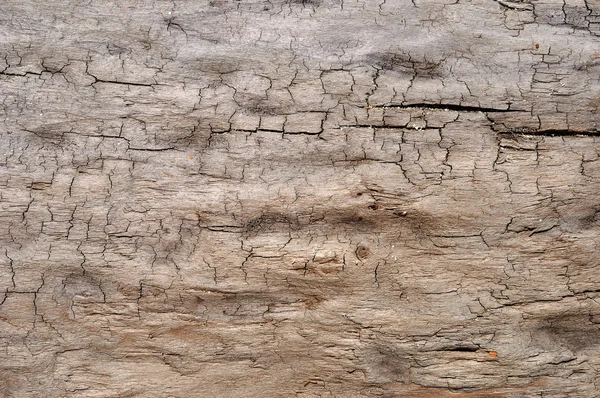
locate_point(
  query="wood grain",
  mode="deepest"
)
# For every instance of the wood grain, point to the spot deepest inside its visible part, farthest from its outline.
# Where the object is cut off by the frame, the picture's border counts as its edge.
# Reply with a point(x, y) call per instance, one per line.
point(299, 198)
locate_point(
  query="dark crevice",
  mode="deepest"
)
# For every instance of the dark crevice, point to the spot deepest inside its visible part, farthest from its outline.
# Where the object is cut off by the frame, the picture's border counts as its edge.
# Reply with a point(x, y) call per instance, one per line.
point(516, 5)
point(450, 107)
point(375, 126)
point(550, 132)
point(124, 83)
point(21, 74)
point(466, 348)
point(151, 149)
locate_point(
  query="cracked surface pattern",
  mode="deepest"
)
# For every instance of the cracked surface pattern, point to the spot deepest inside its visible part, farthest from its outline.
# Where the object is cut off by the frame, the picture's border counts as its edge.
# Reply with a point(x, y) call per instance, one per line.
point(304, 198)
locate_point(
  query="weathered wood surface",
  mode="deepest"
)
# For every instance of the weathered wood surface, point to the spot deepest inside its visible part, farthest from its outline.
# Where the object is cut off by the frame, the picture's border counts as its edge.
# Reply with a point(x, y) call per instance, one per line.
point(299, 198)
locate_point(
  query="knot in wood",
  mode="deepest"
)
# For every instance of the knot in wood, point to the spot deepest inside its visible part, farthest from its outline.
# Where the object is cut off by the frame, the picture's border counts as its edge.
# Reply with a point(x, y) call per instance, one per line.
point(362, 252)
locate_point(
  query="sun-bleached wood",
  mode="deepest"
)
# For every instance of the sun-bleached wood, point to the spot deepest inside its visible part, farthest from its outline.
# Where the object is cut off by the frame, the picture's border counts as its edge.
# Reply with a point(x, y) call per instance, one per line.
point(309, 198)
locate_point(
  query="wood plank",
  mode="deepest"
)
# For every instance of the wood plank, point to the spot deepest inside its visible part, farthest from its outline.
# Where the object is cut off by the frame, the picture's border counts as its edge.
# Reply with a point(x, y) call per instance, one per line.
point(299, 198)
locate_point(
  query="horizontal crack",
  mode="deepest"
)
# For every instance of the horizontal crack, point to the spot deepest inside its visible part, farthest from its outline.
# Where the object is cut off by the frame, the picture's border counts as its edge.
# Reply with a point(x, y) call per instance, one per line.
point(449, 107)
point(550, 132)
point(383, 126)
point(151, 149)
point(124, 83)
point(514, 5)
point(461, 348)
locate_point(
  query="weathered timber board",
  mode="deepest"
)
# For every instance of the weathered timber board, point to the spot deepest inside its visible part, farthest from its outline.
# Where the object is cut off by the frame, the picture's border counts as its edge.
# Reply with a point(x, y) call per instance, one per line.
point(299, 198)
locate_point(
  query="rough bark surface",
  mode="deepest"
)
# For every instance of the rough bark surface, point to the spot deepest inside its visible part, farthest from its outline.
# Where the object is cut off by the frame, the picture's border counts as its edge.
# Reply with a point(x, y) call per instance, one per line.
point(299, 198)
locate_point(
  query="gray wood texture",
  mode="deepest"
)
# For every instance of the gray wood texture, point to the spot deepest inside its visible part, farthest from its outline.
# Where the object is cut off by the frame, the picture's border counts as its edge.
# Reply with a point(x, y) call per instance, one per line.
point(314, 198)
